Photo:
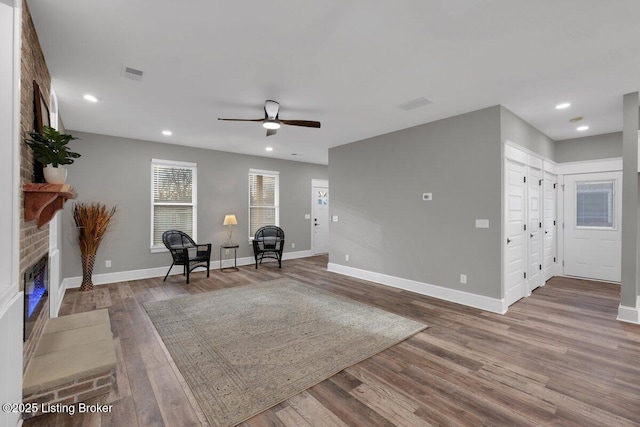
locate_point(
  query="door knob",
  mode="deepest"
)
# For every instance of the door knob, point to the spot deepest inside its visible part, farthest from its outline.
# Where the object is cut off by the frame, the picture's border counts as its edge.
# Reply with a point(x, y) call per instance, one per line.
point(508, 240)
point(531, 235)
point(546, 232)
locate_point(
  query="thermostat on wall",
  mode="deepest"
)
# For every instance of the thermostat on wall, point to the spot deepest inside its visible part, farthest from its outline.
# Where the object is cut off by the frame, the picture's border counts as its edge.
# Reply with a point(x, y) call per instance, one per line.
point(427, 196)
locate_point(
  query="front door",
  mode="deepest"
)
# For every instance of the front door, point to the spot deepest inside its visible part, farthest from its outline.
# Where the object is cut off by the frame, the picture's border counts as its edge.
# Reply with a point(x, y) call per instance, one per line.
point(320, 218)
point(592, 226)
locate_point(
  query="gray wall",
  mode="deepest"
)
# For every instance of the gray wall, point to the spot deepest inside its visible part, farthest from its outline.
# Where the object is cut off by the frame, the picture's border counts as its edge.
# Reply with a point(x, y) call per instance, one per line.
point(630, 201)
point(385, 227)
point(514, 129)
point(117, 171)
point(594, 147)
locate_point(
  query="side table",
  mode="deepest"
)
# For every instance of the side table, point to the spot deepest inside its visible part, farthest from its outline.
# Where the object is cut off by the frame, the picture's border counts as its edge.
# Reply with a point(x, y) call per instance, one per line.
point(226, 247)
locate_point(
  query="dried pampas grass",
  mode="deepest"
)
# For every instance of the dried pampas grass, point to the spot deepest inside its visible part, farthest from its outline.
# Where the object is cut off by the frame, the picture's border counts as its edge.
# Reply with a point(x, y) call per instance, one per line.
point(92, 221)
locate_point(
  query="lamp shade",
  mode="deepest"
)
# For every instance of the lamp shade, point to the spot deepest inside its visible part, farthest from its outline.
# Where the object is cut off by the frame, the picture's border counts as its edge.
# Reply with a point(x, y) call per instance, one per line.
point(230, 220)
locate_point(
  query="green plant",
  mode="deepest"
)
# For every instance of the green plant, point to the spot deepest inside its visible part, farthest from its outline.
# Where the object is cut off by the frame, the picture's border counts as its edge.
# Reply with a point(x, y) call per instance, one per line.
point(50, 147)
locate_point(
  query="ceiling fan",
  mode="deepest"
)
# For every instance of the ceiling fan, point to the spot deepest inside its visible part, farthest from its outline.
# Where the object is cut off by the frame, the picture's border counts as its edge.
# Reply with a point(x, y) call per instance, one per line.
point(272, 122)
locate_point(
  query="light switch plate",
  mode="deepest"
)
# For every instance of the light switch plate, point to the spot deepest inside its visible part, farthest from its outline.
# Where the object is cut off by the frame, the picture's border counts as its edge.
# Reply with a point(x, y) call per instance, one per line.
point(307, 216)
point(334, 218)
point(427, 196)
point(482, 223)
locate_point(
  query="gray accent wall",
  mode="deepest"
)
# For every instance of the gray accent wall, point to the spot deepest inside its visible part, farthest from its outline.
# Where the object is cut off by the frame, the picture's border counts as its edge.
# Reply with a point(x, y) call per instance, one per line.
point(386, 227)
point(117, 171)
point(516, 130)
point(605, 146)
point(630, 201)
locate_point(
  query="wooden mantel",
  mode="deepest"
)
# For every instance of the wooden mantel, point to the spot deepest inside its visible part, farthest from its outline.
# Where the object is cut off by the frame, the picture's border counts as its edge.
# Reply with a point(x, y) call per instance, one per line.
point(42, 201)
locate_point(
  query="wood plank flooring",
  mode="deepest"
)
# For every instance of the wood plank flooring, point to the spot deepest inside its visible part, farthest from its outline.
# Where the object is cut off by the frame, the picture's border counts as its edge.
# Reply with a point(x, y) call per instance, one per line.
point(558, 357)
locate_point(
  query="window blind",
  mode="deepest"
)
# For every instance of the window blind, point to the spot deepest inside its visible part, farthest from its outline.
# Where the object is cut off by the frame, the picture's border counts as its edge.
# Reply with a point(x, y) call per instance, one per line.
point(173, 199)
point(594, 204)
point(263, 200)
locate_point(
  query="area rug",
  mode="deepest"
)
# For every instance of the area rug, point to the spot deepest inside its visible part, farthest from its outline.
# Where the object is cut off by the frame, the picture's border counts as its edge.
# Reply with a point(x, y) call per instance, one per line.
point(245, 349)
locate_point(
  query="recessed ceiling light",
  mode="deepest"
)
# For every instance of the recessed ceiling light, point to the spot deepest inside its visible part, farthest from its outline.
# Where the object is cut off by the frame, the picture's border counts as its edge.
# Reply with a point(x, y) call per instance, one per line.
point(563, 106)
point(269, 148)
point(582, 128)
point(91, 98)
point(167, 133)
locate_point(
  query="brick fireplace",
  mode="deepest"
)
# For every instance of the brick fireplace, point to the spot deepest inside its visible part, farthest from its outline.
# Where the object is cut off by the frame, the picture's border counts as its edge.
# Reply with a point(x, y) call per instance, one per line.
point(34, 241)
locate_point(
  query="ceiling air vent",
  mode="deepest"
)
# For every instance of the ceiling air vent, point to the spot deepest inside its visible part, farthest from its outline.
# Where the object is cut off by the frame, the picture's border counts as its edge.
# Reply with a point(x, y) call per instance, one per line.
point(132, 73)
point(415, 103)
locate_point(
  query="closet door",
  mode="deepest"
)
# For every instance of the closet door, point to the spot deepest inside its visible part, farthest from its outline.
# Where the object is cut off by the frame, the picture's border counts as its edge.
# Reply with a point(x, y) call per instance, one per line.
point(534, 230)
point(549, 225)
point(515, 241)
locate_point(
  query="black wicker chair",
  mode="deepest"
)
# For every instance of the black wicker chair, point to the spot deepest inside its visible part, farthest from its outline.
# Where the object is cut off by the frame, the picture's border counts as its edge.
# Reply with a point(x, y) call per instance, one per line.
point(268, 243)
point(186, 252)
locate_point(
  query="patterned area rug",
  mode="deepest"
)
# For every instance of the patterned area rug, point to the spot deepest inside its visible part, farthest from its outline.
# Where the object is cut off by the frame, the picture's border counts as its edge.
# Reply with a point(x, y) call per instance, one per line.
point(243, 350)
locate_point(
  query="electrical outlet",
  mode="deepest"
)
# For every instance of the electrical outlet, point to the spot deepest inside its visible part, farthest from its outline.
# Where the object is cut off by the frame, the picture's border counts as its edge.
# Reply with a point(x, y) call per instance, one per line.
point(107, 263)
point(226, 251)
point(346, 257)
point(293, 246)
point(463, 279)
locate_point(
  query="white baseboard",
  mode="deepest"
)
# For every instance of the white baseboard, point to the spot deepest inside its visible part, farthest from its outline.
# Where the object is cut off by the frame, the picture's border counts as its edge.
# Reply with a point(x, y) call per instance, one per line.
point(147, 273)
point(460, 297)
point(629, 314)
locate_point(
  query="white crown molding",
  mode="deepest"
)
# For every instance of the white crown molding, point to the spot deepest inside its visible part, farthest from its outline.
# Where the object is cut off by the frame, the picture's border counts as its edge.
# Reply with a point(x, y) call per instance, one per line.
point(493, 305)
point(590, 166)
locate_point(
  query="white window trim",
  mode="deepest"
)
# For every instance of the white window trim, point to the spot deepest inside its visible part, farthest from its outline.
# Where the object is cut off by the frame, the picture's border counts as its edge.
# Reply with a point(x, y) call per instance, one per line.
point(276, 174)
point(194, 185)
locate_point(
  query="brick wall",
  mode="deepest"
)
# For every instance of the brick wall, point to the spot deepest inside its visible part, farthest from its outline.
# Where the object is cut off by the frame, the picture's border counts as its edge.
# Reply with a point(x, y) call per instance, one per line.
point(34, 241)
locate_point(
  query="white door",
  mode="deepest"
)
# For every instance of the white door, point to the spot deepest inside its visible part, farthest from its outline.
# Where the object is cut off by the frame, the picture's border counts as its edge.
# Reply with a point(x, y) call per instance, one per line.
point(534, 230)
point(320, 218)
point(592, 219)
point(549, 224)
point(515, 243)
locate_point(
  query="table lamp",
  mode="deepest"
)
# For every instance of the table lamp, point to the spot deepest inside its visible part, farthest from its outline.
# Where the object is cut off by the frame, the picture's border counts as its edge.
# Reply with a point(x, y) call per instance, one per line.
point(230, 220)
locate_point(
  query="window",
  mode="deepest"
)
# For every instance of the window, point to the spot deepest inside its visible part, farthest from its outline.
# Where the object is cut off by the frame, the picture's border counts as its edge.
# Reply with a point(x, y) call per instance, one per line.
point(595, 204)
point(173, 200)
point(263, 200)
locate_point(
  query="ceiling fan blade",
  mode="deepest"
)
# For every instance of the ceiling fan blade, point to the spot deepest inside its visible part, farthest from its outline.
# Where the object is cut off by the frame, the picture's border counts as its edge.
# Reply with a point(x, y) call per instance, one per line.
point(271, 109)
point(305, 123)
point(271, 132)
point(242, 120)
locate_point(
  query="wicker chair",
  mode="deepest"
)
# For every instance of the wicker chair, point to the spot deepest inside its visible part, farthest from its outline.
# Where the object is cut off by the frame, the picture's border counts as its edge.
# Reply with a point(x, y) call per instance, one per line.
point(186, 252)
point(268, 243)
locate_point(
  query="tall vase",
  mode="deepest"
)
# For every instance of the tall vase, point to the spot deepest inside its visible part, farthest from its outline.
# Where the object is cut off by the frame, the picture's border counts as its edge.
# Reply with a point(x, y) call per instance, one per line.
point(87, 272)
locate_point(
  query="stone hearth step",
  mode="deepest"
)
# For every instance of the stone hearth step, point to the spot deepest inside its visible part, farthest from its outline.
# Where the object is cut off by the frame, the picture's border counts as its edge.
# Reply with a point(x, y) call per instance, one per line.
point(74, 360)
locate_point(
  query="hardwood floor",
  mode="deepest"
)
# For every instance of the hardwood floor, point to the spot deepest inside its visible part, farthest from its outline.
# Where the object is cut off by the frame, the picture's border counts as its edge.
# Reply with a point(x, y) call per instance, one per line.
point(558, 357)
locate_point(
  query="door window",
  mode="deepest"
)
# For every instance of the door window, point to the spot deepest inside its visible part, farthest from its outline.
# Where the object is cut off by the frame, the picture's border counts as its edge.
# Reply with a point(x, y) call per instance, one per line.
point(594, 204)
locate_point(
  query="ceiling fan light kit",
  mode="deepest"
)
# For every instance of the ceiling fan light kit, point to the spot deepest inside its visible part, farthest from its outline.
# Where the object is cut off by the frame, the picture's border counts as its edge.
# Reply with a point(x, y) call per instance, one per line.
point(271, 122)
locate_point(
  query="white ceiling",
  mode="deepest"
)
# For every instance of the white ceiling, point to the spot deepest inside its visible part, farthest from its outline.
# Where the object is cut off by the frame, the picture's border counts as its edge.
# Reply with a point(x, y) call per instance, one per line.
point(347, 64)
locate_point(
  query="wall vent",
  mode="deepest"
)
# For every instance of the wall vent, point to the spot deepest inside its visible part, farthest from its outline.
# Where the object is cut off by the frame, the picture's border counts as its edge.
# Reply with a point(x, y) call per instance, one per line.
point(132, 73)
point(415, 103)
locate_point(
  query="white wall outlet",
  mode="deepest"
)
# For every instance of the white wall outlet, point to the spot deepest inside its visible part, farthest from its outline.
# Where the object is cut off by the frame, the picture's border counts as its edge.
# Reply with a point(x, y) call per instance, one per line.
point(427, 196)
point(463, 279)
point(107, 263)
point(346, 257)
point(226, 251)
point(293, 246)
point(482, 223)
point(307, 216)
point(334, 218)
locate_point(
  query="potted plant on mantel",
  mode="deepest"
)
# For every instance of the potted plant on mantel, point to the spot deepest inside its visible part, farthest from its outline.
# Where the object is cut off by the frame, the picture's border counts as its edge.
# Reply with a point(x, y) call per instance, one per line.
point(50, 149)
